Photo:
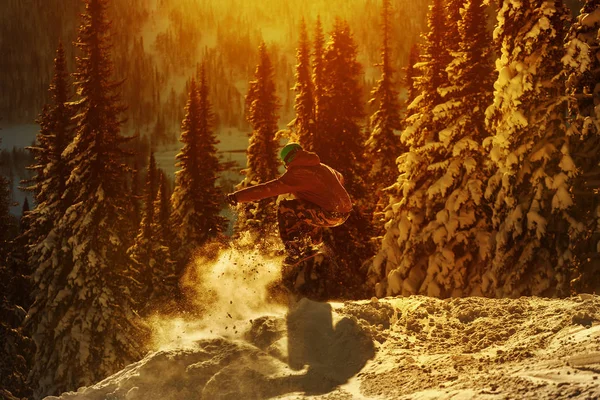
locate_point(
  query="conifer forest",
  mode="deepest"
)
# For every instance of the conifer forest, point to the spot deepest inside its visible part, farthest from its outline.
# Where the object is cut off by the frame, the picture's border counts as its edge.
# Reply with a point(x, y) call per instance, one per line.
point(465, 132)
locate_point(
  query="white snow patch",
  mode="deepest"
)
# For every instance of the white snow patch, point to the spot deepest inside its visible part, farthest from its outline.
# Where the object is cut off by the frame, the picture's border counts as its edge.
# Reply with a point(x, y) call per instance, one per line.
point(395, 348)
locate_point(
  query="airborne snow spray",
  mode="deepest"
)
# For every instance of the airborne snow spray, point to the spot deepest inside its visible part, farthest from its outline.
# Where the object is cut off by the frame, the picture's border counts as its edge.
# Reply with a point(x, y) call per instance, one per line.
point(228, 289)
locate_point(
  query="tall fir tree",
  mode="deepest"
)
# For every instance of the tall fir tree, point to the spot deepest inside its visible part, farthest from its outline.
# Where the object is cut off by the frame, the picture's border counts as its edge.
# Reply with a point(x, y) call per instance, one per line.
point(582, 67)
point(162, 211)
point(453, 21)
point(82, 319)
point(20, 290)
point(440, 250)
point(196, 198)
point(435, 58)
point(50, 168)
point(48, 256)
point(437, 239)
point(163, 274)
point(427, 80)
point(136, 197)
point(531, 183)
point(15, 347)
point(150, 192)
point(408, 197)
point(262, 107)
point(317, 74)
point(411, 74)
point(149, 255)
point(383, 146)
point(341, 144)
point(304, 123)
point(214, 223)
point(24, 224)
point(141, 252)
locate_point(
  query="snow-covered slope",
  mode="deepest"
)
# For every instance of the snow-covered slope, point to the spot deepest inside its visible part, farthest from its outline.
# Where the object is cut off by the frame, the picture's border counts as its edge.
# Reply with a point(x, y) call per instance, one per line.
point(246, 347)
point(401, 348)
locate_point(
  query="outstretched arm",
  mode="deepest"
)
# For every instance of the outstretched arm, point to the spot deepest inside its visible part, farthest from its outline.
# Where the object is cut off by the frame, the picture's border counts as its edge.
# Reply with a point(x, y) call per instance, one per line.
point(262, 191)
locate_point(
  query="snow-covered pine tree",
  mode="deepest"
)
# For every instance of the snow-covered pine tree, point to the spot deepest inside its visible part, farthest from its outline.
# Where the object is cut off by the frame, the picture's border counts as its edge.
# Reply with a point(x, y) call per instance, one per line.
point(82, 320)
point(142, 253)
point(196, 198)
point(471, 74)
point(150, 193)
point(16, 350)
point(340, 143)
point(399, 266)
point(262, 106)
point(20, 290)
point(423, 78)
point(164, 277)
point(411, 74)
point(530, 187)
point(582, 66)
point(24, 224)
point(317, 73)
point(437, 219)
point(136, 198)
point(383, 146)
point(434, 59)
point(48, 255)
point(453, 18)
point(214, 223)
point(303, 124)
point(162, 211)
point(50, 168)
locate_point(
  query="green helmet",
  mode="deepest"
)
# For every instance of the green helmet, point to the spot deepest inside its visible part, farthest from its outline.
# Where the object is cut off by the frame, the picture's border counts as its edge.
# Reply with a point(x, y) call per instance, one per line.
point(289, 152)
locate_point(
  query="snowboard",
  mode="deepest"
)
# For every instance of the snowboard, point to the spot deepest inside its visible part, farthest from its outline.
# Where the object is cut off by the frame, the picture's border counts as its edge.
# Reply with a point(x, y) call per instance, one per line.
point(306, 257)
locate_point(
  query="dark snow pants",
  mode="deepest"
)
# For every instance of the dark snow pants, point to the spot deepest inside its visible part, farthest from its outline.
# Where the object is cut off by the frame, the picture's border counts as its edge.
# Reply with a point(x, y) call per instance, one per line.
point(301, 224)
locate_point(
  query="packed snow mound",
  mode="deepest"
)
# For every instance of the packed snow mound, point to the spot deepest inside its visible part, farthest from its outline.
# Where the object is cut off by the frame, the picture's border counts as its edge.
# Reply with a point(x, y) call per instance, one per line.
point(310, 350)
point(395, 348)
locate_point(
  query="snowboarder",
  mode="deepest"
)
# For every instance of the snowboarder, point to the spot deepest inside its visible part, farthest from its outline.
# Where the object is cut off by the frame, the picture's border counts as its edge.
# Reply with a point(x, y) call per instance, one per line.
point(320, 201)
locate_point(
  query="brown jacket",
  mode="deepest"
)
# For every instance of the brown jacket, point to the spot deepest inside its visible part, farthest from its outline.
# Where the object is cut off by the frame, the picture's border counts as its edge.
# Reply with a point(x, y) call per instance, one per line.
point(307, 179)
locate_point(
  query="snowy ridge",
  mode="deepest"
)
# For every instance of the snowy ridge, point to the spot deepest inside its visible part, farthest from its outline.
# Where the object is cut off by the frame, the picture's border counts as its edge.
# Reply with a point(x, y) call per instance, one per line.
point(244, 344)
point(401, 348)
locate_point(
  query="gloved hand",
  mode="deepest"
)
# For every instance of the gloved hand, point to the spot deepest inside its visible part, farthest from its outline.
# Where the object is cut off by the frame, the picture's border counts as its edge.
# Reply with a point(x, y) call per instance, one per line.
point(231, 199)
